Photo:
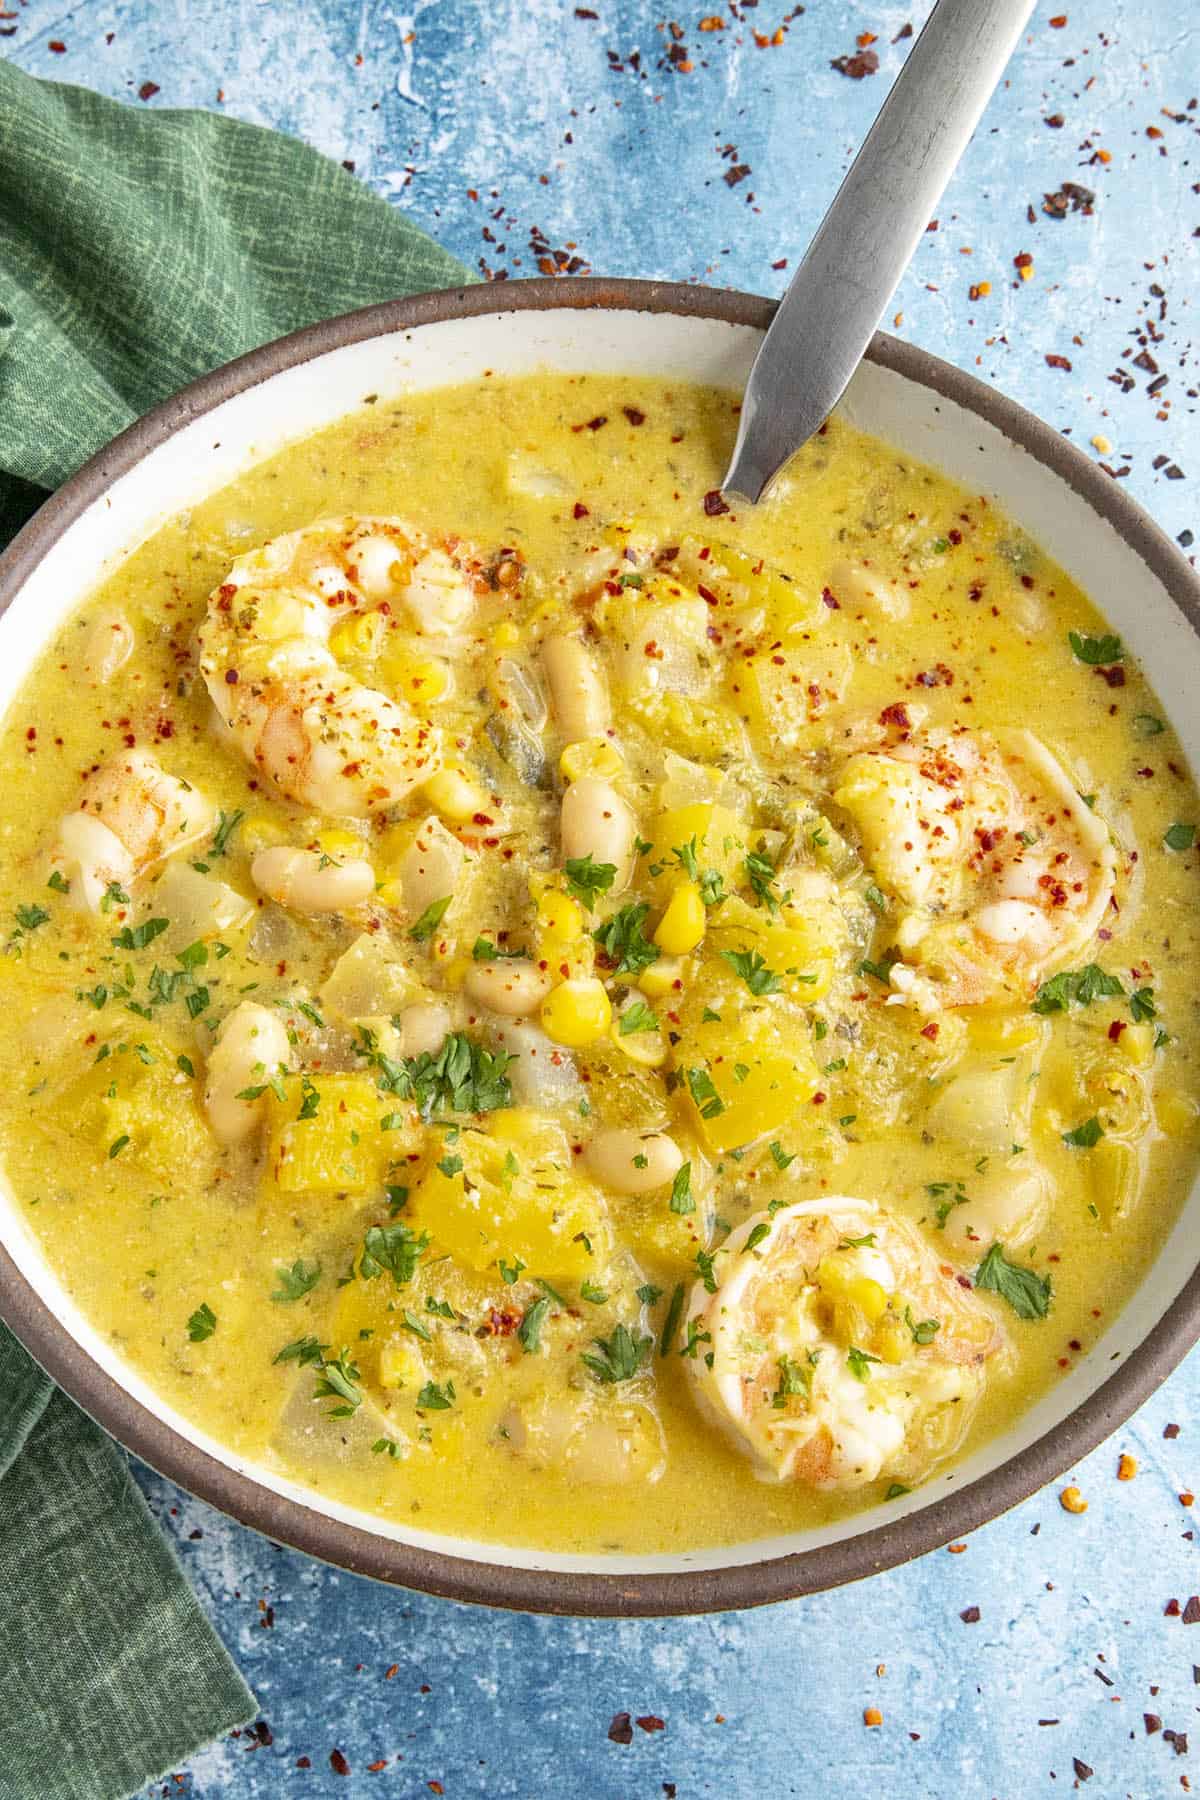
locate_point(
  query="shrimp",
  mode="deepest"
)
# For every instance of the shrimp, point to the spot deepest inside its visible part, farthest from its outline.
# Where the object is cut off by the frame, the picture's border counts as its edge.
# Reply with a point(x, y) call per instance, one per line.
point(835, 1350)
point(132, 816)
point(322, 737)
point(1003, 871)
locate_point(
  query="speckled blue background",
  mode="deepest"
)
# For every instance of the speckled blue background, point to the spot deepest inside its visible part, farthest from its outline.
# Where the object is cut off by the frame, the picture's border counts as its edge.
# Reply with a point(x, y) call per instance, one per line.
point(580, 138)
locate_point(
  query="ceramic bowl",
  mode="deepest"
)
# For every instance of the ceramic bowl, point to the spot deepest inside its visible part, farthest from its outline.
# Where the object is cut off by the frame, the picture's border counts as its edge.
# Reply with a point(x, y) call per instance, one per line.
point(209, 433)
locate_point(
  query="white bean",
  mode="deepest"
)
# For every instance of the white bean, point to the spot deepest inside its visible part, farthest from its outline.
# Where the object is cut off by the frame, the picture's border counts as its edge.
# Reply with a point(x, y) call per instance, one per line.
point(514, 988)
point(423, 1028)
point(308, 882)
point(251, 1045)
point(596, 822)
point(633, 1162)
point(576, 688)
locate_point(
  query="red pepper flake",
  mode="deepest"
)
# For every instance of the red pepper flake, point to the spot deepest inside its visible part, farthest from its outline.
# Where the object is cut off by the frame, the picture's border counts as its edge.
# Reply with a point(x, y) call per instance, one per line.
point(715, 503)
point(58, 47)
point(304, 1762)
point(374, 1768)
point(830, 600)
point(580, 511)
point(338, 1763)
point(930, 1031)
point(1170, 1431)
point(634, 416)
point(435, 1787)
point(1022, 260)
point(1191, 1612)
point(713, 22)
point(737, 173)
point(1055, 361)
point(391, 1673)
point(1058, 21)
point(1055, 121)
point(970, 1615)
point(1083, 1770)
point(621, 1729)
point(148, 90)
point(231, 677)
point(896, 714)
point(1115, 1030)
point(585, 12)
point(651, 1722)
point(1152, 1723)
point(863, 62)
point(592, 424)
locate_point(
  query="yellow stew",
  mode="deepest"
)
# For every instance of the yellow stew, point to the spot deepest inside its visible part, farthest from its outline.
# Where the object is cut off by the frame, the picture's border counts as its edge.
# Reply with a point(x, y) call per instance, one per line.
point(541, 1005)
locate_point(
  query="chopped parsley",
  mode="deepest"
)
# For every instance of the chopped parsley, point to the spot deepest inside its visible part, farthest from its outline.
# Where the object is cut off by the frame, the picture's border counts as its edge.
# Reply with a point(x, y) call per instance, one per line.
point(462, 1077)
point(586, 878)
point(429, 920)
point(302, 1351)
point(310, 1103)
point(756, 1236)
point(779, 1156)
point(666, 1342)
point(297, 1281)
point(635, 1018)
point(510, 1272)
point(1085, 1136)
point(859, 1362)
point(795, 1378)
point(923, 1330)
point(948, 1195)
point(1076, 987)
point(760, 873)
point(395, 1248)
point(337, 1379)
point(433, 1398)
point(619, 1357)
point(751, 966)
point(227, 824)
point(483, 950)
point(30, 917)
point(647, 1295)
point(136, 937)
point(202, 1323)
point(1141, 1005)
point(595, 1296)
point(1097, 652)
point(624, 942)
point(705, 1097)
point(682, 1200)
point(530, 1329)
point(1027, 1292)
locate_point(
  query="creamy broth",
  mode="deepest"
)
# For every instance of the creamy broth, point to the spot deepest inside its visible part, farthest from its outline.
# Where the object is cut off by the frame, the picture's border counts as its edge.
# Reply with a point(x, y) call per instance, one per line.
point(436, 1136)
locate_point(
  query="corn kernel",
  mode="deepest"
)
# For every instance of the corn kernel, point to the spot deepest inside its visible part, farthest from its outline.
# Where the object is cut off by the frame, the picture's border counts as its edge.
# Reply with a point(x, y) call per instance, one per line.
point(340, 844)
point(391, 893)
point(453, 795)
point(1072, 1501)
point(357, 636)
point(1126, 1466)
point(506, 636)
point(400, 1365)
point(590, 756)
point(683, 924)
point(559, 916)
point(577, 1012)
point(892, 1342)
point(1174, 1111)
point(1137, 1042)
point(420, 680)
point(261, 832)
point(660, 978)
point(869, 1297)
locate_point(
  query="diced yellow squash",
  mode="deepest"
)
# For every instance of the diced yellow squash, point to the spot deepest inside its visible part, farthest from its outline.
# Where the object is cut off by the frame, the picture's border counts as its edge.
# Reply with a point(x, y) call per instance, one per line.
point(516, 1197)
point(664, 1242)
point(157, 1109)
point(706, 729)
point(801, 952)
point(400, 1363)
point(785, 691)
point(342, 1147)
point(745, 1072)
point(713, 831)
point(1001, 1030)
point(1113, 1173)
point(368, 980)
point(1175, 1112)
point(743, 583)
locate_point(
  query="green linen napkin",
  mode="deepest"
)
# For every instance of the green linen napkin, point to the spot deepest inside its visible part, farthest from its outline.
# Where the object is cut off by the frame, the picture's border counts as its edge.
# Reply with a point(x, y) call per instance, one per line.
point(137, 250)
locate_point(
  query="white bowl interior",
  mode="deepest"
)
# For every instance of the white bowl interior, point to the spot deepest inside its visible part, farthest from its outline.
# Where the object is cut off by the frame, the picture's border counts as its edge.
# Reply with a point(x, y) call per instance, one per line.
point(214, 448)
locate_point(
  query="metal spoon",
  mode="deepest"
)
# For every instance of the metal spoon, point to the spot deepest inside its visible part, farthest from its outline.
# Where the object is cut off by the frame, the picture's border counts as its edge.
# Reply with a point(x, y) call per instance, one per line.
point(865, 241)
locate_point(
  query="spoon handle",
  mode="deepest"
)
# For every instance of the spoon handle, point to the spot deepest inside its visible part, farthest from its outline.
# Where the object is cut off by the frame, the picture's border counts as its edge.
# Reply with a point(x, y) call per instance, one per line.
point(865, 241)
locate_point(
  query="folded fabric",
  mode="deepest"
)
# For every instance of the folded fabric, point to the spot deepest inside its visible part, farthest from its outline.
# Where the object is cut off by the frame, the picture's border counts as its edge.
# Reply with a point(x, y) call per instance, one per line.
point(137, 250)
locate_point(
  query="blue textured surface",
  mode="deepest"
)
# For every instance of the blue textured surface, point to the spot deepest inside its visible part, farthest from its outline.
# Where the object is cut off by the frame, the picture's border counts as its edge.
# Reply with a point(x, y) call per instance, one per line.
point(574, 144)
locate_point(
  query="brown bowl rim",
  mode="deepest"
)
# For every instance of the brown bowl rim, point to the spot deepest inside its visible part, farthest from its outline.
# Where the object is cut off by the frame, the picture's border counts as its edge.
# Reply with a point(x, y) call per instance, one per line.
point(499, 1584)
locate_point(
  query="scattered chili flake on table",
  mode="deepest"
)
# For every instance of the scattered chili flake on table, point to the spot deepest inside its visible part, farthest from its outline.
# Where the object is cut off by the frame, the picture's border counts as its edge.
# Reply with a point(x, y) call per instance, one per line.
point(338, 1763)
point(148, 90)
point(1055, 361)
point(1191, 1612)
point(715, 503)
point(621, 1729)
point(970, 1615)
point(650, 1722)
point(872, 1716)
point(863, 62)
point(1170, 1431)
point(1083, 1770)
point(1187, 1499)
